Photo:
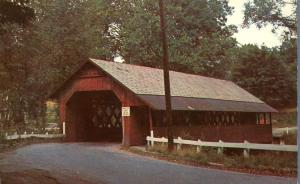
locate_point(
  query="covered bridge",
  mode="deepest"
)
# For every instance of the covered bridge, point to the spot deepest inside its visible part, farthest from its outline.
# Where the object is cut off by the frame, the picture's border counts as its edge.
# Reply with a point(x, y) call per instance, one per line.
point(114, 101)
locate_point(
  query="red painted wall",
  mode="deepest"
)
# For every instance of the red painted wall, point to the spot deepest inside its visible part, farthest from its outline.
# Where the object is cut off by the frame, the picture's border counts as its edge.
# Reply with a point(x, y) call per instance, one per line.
point(251, 133)
point(139, 125)
point(90, 78)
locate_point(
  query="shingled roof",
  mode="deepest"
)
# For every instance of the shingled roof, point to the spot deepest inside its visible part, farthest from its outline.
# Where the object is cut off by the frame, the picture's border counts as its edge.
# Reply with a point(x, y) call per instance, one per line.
point(189, 92)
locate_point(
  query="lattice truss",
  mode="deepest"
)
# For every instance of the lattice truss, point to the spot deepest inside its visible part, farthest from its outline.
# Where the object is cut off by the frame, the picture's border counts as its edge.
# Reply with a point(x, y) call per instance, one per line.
point(106, 116)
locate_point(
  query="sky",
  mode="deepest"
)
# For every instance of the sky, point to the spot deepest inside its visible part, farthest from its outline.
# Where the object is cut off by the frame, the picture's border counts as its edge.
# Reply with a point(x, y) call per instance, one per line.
point(253, 35)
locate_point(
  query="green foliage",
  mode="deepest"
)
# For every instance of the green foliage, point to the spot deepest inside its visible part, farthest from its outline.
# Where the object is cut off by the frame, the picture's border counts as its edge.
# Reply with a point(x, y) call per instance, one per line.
point(263, 12)
point(260, 71)
point(52, 113)
point(69, 32)
point(35, 59)
point(197, 33)
point(285, 118)
point(15, 11)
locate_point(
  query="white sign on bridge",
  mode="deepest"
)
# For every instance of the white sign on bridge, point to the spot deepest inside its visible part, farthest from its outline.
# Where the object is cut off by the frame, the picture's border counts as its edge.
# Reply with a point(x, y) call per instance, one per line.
point(125, 111)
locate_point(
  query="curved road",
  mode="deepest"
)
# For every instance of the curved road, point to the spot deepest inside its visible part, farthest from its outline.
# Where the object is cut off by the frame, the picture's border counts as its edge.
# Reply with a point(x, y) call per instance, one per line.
point(105, 163)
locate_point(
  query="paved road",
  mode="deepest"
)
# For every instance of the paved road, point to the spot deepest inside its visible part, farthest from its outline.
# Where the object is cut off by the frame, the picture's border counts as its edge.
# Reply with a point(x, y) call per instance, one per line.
point(105, 163)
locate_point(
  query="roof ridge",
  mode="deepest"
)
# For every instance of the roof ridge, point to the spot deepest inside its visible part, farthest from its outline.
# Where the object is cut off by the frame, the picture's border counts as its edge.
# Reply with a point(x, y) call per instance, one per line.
point(205, 98)
point(151, 68)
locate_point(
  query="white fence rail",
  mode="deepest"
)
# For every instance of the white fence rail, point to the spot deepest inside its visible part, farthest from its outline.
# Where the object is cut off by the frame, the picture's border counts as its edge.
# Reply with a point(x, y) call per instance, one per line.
point(246, 146)
point(278, 132)
point(25, 135)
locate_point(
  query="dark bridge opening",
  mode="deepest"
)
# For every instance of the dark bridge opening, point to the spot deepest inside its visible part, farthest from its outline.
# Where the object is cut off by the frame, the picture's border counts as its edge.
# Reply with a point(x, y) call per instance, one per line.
point(94, 116)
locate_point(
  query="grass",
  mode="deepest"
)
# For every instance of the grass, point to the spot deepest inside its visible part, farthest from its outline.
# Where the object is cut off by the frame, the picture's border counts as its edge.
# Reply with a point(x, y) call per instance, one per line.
point(52, 114)
point(277, 163)
point(6, 145)
point(284, 119)
point(290, 139)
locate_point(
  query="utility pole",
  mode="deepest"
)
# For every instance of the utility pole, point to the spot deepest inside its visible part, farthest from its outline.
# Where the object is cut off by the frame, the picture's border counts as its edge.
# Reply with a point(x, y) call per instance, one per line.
point(166, 75)
point(298, 85)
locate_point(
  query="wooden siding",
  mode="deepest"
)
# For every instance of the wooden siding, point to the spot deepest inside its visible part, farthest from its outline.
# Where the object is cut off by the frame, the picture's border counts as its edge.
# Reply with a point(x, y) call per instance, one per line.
point(96, 83)
point(90, 78)
point(250, 133)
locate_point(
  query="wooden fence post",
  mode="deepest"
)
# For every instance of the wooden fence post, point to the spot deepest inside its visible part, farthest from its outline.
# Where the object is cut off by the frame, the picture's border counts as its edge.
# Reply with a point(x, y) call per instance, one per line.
point(220, 149)
point(179, 144)
point(163, 139)
point(246, 150)
point(64, 128)
point(281, 141)
point(199, 148)
point(152, 136)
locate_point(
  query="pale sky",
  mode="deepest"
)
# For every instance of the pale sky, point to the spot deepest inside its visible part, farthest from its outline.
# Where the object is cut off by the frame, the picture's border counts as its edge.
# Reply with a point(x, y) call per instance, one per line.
point(252, 34)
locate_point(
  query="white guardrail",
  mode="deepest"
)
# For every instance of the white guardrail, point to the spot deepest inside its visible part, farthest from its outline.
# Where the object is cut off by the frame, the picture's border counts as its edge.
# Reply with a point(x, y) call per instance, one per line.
point(278, 132)
point(246, 146)
point(25, 135)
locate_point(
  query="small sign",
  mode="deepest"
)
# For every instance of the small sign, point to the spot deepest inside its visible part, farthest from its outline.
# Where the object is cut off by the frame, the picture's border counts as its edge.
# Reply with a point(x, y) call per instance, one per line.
point(125, 111)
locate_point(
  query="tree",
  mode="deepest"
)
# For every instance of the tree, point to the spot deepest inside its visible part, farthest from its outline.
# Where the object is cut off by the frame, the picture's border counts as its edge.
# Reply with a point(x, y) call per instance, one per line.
point(262, 12)
point(260, 71)
point(65, 34)
point(69, 32)
point(36, 58)
point(15, 11)
point(197, 33)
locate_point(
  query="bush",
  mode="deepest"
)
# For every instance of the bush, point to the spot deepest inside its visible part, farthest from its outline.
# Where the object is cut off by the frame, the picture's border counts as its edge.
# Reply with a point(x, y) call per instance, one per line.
point(2, 137)
point(284, 119)
point(290, 139)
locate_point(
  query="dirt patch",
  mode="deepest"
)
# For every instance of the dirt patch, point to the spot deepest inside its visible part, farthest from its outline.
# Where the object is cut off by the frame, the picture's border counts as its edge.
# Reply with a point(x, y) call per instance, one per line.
point(33, 176)
point(38, 176)
point(18, 143)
